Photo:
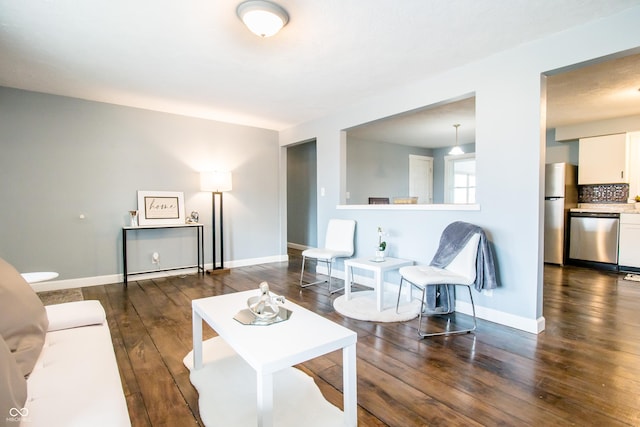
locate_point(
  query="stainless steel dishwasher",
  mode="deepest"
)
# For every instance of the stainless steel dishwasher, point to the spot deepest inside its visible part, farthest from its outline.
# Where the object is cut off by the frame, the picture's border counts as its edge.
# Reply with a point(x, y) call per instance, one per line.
point(594, 237)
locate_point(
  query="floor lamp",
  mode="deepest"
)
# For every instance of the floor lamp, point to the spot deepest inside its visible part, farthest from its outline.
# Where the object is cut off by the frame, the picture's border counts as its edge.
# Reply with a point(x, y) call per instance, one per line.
point(216, 182)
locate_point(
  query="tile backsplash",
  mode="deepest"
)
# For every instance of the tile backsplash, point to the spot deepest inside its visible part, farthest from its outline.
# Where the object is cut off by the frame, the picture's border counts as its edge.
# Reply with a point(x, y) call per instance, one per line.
point(603, 193)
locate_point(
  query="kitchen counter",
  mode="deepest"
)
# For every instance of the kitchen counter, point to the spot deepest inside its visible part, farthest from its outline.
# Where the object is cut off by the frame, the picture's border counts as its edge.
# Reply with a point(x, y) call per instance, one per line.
point(607, 208)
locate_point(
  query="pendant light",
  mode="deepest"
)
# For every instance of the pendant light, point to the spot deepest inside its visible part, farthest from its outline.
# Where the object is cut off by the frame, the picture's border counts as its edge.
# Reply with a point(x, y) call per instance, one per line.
point(456, 151)
point(262, 17)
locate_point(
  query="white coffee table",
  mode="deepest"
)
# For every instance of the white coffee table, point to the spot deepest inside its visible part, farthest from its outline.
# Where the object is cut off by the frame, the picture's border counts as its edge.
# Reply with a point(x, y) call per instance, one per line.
point(378, 268)
point(268, 349)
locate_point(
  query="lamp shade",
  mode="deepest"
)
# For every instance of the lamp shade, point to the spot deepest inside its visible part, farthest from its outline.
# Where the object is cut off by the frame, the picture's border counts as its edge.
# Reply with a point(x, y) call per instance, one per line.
point(456, 151)
point(215, 181)
point(262, 17)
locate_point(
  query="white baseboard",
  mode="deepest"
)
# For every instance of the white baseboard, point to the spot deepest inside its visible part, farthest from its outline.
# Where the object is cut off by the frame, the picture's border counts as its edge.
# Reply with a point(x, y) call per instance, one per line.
point(56, 285)
point(117, 279)
point(256, 261)
point(297, 246)
point(533, 326)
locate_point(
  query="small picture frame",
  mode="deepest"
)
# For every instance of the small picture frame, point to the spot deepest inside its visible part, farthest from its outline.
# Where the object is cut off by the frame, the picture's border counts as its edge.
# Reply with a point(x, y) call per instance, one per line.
point(161, 207)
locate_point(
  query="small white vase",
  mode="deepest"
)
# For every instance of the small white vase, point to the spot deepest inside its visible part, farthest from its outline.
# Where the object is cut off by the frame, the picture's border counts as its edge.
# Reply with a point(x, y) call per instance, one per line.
point(133, 218)
point(379, 256)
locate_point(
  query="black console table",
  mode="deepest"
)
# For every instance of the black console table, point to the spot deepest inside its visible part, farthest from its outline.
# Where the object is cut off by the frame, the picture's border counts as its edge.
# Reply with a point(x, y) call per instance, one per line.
point(199, 243)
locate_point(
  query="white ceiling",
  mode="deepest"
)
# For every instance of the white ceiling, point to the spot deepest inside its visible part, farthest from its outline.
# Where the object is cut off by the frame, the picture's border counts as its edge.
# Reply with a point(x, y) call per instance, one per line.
point(598, 91)
point(195, 57)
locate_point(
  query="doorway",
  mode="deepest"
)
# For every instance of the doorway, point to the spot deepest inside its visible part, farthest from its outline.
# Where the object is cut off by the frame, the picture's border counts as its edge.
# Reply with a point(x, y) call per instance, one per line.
point(302, 206)
point(421, 178)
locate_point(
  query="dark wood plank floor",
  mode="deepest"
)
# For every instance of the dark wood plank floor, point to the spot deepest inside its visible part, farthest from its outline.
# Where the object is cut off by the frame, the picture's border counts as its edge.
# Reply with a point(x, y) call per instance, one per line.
point(583, 370)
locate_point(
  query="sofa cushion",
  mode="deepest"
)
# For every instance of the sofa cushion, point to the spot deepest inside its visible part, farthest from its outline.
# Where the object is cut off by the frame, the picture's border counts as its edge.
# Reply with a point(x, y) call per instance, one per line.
point(23, 320)
point(76, 381)
point(74, 314)
point(13, 386)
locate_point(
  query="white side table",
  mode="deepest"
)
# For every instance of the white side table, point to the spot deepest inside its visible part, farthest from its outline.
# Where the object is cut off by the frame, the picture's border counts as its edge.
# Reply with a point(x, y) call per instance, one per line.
point(378, 268)
point(39, 276)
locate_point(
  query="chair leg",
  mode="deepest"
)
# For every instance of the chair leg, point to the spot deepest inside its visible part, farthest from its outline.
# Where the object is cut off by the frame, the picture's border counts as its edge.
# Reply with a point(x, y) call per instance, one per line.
point(330, 265)
point(447, 333)
point(423, 302)
point(400, 293)
point(305, 285)
point(302, 271)
point(473, 309)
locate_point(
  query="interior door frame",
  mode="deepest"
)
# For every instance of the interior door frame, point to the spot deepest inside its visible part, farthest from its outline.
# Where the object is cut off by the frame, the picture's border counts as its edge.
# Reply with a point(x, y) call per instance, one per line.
point(428, 183)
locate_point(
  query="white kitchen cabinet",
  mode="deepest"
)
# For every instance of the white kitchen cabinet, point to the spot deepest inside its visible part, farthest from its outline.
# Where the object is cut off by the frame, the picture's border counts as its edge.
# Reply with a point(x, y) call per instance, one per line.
point(629, 243)
point(633, 139)
point(604, 160)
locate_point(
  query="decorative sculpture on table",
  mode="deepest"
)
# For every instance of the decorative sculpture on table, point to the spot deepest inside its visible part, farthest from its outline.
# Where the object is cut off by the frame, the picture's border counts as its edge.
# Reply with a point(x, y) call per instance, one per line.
point(265, 306)
point(193, 218)
point(263, 309)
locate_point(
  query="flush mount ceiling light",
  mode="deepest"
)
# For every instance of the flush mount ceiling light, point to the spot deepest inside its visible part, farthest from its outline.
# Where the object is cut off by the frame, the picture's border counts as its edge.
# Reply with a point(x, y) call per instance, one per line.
point(456, 151)
point(262, 17)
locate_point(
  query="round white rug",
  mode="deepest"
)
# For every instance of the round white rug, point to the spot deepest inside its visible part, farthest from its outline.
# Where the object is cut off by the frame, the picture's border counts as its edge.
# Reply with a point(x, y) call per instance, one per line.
point(362, 306)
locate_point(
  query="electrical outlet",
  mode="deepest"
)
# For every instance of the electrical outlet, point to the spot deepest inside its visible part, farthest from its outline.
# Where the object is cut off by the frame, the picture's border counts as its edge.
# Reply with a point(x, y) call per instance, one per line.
point(155, 258)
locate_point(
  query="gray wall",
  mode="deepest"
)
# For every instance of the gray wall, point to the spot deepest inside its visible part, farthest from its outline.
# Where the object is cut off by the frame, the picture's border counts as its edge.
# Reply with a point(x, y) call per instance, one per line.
point(378, 169)
point(63, 157)
point(301, 195)
point(561, 152)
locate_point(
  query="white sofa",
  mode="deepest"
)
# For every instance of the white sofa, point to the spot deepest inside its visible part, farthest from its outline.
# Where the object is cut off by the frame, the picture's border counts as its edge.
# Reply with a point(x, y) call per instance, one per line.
point(75, 381)
point(57, 364)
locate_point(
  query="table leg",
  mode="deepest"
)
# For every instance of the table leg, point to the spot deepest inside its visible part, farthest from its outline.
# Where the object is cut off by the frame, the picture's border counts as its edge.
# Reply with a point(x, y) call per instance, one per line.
point(197, 340)
point(348, 271)
point(124, 256)
point(265, 400)
point(349, 380)
point(378, 277)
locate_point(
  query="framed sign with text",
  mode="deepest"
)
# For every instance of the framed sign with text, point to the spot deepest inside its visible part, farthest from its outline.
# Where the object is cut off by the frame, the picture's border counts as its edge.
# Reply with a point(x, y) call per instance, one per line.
point(160, 207)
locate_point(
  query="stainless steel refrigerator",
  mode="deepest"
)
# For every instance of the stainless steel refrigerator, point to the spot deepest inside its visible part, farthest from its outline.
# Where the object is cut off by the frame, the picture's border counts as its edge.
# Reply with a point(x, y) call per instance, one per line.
point(560, 195)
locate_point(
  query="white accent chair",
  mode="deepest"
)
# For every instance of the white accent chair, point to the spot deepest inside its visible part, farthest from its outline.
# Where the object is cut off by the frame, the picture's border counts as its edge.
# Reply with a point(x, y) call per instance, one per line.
point(461, 271)
point(338, 244)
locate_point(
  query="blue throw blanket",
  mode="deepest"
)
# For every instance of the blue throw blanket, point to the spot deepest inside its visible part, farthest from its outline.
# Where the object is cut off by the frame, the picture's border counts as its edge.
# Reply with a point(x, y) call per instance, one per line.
point(453, 239)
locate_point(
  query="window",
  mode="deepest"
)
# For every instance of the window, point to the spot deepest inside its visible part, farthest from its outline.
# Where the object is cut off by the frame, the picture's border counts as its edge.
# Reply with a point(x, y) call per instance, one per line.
point(460, 179)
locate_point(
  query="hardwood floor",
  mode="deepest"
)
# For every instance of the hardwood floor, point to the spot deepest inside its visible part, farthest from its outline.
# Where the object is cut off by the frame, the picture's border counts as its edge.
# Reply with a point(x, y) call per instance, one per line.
point(584, 369)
